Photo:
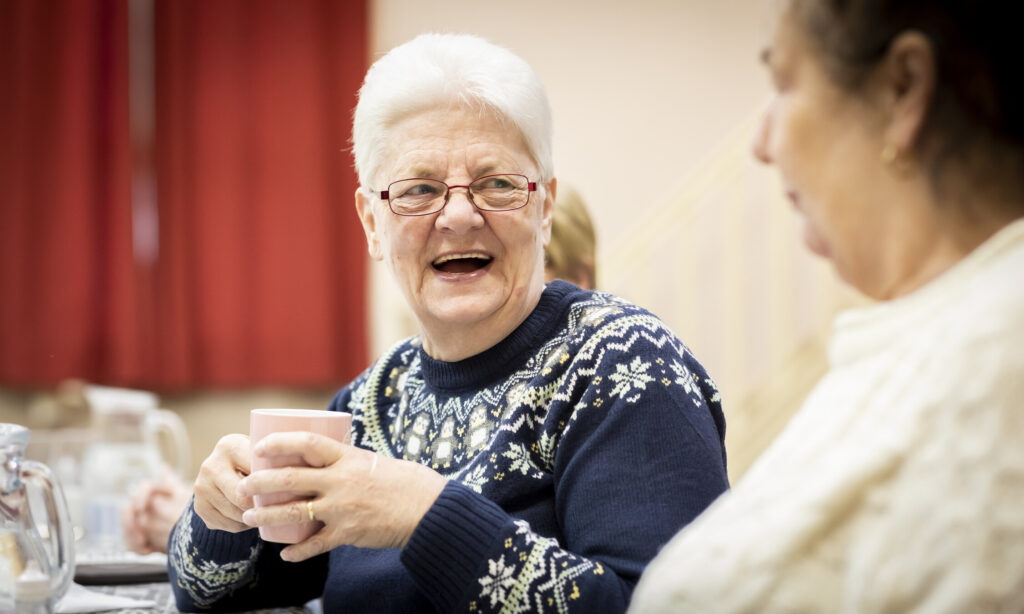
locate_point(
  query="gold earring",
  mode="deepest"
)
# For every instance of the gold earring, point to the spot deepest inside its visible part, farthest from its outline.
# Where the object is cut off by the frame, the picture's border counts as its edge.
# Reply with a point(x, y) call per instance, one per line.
point(889, 153)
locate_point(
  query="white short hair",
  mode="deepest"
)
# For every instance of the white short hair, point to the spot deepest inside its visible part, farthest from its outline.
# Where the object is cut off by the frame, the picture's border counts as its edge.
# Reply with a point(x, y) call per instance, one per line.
point(449, 69)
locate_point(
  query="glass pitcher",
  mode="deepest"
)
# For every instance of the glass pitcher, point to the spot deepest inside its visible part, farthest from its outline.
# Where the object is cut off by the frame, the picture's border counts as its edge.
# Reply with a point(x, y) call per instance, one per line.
point(125, 451)
point(36, 538)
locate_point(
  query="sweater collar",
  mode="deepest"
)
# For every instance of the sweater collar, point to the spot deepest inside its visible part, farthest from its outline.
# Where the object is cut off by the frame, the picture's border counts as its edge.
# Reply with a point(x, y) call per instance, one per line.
point(510, 353)
point(868, 330)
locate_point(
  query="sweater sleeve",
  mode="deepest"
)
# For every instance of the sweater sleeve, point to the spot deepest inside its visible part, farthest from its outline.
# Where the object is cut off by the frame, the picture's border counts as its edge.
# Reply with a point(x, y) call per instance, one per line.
point(221, 571)
point(636, 453)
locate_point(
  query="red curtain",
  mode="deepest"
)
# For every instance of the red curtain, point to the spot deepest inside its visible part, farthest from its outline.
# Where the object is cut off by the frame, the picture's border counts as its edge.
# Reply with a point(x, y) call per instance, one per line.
point(259, 271)
point(67, 296)
point(262, 261)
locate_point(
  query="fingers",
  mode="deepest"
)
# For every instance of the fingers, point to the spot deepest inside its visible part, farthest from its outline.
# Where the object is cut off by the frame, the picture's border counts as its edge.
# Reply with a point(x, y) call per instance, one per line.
point(171, 506)
point(219, 511)
point(134, 535)
point(299, 481)
point(316, 544)
point(315, 449)
point(147, 520)
point(362, 499)
point(293, 512)
point(158, 522)
point(217, 500)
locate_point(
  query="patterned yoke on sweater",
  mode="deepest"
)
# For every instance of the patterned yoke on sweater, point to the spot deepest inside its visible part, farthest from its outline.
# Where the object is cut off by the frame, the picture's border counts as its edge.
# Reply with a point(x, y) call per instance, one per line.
point(574, 449)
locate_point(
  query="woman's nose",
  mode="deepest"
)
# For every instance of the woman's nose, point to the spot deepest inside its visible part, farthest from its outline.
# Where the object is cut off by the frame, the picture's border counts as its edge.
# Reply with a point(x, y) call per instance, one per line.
point(460, 214)
point(762, 137)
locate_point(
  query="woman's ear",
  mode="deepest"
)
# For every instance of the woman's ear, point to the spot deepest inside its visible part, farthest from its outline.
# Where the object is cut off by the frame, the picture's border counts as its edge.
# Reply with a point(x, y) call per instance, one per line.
point(548, 210)
point(908, 75)
point(364, 207)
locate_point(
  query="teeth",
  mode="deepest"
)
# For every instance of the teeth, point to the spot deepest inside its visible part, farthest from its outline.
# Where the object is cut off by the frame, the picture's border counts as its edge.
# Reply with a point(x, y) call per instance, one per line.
point(477, 255)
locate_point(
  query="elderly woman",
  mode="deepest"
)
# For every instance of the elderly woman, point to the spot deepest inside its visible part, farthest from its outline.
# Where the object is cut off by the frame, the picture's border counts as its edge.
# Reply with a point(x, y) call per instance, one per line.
point(530, 450)
point(899, 486)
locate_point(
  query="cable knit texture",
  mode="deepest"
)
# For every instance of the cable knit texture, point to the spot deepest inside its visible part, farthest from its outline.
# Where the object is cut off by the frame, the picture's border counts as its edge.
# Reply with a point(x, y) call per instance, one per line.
point(899, 486)
point(574, 449)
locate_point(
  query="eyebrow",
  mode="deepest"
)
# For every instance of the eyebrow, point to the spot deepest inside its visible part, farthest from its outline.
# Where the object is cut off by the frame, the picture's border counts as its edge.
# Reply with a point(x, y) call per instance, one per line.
point(484, 170)
point(418, 171)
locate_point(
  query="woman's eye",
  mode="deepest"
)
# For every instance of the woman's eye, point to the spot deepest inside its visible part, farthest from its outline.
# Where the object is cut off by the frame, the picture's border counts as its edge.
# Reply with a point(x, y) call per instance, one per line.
point(495, 183)
point(421, 189)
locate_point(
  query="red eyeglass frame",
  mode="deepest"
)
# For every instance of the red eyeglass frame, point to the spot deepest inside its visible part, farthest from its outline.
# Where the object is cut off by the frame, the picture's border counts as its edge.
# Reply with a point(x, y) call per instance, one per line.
point(531, 186)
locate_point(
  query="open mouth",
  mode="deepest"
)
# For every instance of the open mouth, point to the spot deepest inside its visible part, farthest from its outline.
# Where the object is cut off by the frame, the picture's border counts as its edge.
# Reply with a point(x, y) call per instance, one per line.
point(468, 262)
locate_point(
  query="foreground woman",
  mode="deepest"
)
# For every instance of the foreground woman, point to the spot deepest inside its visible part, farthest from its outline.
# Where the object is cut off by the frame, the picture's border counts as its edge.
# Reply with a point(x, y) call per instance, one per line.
point(899, 486)
point(530, 450)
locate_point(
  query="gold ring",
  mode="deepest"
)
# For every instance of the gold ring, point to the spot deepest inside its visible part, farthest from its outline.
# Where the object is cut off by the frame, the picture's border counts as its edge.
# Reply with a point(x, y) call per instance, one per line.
point(309, 509)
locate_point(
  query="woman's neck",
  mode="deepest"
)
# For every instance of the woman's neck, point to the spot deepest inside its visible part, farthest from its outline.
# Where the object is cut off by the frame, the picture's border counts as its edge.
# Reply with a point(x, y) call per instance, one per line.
point(935, 242)
point(452, 342)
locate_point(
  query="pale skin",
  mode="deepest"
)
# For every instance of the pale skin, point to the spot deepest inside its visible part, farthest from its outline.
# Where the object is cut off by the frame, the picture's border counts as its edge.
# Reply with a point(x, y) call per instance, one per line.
point(147, 519)
point(362, 498)
point(881, 223)
point(460, 318)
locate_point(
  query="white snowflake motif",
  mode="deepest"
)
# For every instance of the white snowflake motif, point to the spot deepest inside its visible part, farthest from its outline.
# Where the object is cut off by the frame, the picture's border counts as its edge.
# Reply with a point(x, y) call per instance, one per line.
point(476, 478)
point(520, 458)
point(524, 531)
point(498, 581)
point(632, 377)
point(686, 379)
point(547, 446)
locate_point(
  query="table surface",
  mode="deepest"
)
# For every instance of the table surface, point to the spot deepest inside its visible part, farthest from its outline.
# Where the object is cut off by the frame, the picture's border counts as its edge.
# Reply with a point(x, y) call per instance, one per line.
point(160, 592)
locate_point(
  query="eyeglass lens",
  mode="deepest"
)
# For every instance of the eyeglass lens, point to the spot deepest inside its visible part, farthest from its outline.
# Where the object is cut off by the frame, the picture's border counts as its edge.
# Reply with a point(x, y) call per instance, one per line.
point(490, 193)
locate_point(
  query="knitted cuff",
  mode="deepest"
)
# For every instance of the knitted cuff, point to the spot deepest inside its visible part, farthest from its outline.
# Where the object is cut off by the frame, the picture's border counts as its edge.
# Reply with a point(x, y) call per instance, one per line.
point(448, 550)
point(221, 546)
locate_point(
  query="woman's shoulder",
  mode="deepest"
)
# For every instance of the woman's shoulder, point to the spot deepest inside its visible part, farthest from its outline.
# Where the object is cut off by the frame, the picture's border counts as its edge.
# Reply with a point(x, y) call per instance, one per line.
point(596, 317)
point(596, 308)
point(605, 333)
point(394, 361)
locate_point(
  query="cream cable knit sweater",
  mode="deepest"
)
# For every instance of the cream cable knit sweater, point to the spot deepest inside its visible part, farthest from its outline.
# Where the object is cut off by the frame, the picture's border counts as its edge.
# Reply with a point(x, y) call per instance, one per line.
point(899, 486)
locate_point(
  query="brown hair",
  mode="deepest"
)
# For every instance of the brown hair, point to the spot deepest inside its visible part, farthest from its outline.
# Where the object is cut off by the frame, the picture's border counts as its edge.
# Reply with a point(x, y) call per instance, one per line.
point(978, 104)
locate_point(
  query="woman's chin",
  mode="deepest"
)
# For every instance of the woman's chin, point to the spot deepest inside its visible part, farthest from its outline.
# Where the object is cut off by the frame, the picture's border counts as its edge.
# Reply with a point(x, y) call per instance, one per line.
point(466, 310)
point(814, 242)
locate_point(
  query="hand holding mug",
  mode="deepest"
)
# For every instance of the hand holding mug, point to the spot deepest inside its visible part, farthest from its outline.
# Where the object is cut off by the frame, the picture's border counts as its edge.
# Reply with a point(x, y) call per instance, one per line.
point(217, 500)
point(331, 425)
point(355, 496)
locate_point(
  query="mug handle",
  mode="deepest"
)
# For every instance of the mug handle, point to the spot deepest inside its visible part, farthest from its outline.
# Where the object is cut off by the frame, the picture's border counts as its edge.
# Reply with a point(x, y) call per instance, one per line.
point(172, 424)
point(61, 537)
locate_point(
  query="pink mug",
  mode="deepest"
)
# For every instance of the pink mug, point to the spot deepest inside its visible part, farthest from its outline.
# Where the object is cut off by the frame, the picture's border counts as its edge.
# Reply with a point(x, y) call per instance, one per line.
point(262, 422)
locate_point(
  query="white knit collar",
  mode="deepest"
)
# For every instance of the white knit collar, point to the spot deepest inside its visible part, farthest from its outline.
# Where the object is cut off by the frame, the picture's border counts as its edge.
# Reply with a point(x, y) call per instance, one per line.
point(867, 330)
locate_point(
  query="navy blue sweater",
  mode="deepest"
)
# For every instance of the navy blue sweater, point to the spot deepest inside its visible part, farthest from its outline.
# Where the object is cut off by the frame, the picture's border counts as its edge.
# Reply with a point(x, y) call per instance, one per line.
point(574, 449)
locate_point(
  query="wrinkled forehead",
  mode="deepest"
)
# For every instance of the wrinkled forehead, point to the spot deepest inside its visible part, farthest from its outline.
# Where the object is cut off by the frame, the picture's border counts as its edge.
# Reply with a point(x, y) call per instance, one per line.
point(455, 164)
point(444, 142)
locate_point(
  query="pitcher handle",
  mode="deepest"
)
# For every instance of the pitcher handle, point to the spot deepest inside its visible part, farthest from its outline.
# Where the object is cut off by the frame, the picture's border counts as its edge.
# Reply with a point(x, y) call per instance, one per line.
point(62, 537)
point(172, 423)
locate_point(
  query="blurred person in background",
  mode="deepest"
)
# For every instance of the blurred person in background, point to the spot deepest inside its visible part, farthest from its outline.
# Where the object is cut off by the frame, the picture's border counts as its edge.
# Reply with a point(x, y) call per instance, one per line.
point(571, 254)
point(898, 130)
point(150, 514)
point(535, 444)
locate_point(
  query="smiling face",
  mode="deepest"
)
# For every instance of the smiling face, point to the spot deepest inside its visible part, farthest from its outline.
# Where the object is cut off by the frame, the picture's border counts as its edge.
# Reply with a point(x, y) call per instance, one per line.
point(826, 144)
point(470, 276)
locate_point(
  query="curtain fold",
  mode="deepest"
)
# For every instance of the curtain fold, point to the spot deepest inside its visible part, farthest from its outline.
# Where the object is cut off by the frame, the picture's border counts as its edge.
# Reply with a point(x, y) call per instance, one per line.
point(67, 295)
point(262, 261)
point(259, 274)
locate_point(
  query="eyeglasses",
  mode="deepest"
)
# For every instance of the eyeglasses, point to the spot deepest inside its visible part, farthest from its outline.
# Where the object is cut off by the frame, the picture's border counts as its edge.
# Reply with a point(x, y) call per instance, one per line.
point(418, 196)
